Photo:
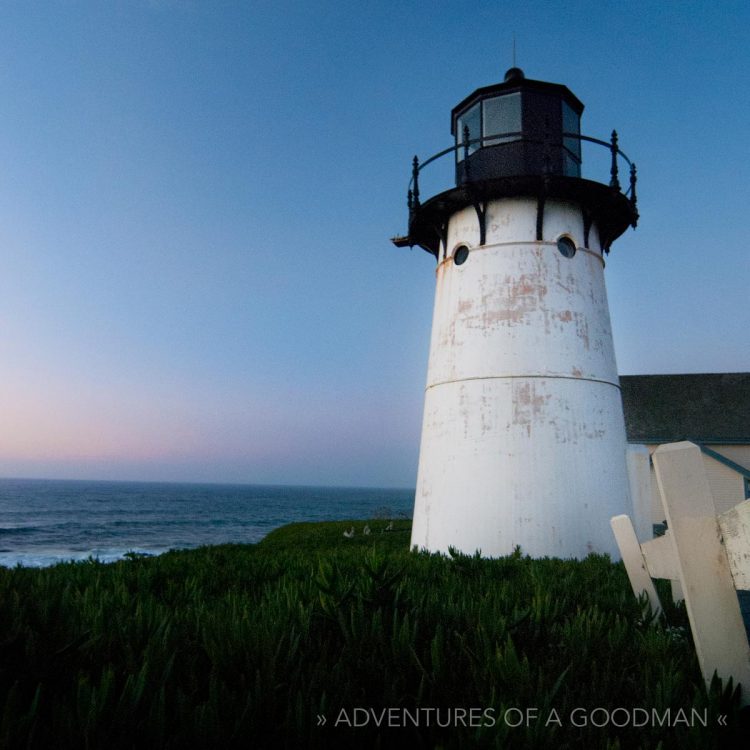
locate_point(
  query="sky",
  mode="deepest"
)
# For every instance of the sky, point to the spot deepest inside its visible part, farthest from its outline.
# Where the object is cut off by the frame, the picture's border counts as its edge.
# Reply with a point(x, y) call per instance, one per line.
point(196, 201)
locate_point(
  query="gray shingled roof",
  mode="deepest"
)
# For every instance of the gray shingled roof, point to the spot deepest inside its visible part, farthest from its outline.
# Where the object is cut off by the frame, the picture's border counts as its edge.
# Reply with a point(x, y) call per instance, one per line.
point(708, 408)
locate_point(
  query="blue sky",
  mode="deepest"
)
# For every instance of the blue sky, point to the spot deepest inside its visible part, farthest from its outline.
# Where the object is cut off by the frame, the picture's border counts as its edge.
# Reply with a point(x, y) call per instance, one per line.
point(196, 201)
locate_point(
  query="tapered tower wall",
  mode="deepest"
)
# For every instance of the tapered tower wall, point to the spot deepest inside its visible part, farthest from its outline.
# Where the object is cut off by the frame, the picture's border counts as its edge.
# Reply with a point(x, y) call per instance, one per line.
point(523, 439)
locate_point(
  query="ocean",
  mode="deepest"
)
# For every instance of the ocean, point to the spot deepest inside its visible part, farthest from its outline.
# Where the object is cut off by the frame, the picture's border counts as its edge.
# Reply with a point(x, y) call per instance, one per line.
point(43, 522)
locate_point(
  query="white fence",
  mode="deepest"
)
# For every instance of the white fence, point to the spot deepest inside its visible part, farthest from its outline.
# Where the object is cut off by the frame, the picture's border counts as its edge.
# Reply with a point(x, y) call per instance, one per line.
point(707, 558)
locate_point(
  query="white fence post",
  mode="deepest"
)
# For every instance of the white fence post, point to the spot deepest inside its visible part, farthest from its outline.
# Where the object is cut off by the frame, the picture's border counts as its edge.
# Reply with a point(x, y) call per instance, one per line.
point(706, 579)
point(639, 477)
point(635, 564)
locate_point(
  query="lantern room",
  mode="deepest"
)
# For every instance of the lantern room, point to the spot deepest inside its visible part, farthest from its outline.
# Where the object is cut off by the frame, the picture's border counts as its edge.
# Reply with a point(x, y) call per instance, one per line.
point(515, 128)
point(520, 139)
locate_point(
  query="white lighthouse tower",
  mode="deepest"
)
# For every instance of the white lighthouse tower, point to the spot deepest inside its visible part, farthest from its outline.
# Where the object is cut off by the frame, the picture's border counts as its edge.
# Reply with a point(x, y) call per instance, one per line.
point(523, 438)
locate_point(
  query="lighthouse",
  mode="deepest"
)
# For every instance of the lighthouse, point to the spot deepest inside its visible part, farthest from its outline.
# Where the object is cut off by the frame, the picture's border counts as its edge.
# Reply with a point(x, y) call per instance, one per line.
point(523, 437)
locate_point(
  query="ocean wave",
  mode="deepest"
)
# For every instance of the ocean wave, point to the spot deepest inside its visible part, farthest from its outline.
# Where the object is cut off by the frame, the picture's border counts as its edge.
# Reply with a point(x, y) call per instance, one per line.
point(45, 558)
point(36, 528)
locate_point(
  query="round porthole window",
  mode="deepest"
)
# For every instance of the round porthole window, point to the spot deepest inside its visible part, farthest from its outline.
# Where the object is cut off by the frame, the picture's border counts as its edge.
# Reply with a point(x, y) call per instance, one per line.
point(566, 246)
point(460, 254)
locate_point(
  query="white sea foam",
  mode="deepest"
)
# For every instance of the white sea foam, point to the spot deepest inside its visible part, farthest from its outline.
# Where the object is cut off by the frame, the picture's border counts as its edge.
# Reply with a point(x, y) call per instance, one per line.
point(45, 558)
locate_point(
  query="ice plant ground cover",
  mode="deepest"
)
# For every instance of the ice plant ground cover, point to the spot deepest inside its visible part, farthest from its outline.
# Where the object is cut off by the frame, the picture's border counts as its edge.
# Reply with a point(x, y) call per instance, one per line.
point(315, 639)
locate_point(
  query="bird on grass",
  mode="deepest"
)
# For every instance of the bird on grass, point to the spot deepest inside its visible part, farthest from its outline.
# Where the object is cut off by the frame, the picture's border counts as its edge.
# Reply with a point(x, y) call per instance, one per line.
point(350, 533)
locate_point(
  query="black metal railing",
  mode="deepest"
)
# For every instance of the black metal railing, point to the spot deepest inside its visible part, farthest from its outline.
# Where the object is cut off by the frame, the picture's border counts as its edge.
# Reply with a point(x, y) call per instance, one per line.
point(413, 199)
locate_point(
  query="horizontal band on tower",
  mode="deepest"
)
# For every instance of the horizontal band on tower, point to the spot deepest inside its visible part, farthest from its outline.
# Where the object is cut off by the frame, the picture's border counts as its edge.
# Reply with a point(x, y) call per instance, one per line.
point(524, 377)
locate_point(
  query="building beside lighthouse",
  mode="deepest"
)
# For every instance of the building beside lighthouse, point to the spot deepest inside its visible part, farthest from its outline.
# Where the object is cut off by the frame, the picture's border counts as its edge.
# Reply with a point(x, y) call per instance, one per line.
point(523, 437)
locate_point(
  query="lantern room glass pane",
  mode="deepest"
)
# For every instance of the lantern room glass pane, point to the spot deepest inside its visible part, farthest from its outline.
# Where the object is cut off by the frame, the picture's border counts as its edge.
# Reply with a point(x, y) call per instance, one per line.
point(470, 119)
point(571, 166)
point(571, 124)
point(502, 114)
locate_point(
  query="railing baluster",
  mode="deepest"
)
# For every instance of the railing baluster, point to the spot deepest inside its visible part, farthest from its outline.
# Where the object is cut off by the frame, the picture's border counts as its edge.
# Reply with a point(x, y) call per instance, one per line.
point(465, 146)
point(415, 179)
point(614, 181)
point(633, 198)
